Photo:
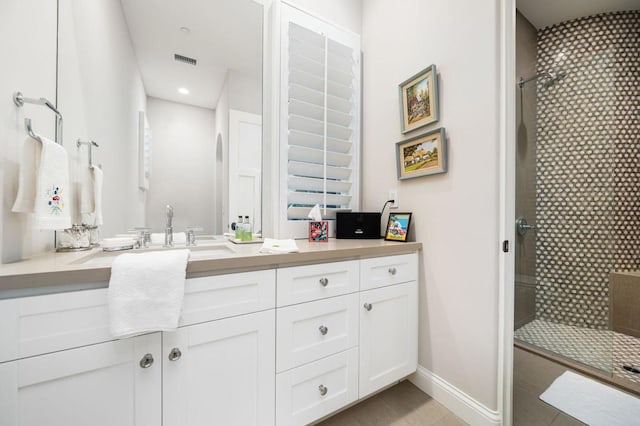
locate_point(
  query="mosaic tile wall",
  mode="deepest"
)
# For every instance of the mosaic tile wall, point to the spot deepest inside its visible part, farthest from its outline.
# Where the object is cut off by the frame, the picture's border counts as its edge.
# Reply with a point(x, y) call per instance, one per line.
point(588, 165)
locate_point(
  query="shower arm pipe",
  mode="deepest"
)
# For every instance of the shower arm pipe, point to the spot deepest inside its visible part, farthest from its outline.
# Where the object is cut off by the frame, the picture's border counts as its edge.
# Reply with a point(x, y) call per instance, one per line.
point(19, 99)
point(90, 144)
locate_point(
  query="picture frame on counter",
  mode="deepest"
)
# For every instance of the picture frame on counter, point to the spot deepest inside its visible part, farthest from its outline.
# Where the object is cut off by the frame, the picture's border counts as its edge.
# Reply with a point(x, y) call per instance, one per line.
point(398, 227)
point(419, 100)
point(422, 155)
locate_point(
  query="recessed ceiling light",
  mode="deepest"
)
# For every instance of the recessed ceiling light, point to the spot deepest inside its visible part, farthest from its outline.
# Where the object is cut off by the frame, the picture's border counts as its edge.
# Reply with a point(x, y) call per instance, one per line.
point(185, 30)
point(183, 91)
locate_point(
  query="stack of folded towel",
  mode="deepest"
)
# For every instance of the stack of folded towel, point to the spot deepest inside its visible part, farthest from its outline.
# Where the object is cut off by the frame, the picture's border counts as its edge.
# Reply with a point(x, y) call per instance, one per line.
point(146, 291)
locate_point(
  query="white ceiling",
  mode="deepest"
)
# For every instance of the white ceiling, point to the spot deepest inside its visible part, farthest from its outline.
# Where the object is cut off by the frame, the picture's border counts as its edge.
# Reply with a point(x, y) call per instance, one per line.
point(225, 35)
point(542, 13)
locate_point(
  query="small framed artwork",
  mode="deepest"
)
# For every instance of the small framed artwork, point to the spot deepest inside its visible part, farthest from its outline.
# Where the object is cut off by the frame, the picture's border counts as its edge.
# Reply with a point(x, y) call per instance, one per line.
point(319, 231)
point(419, 100)
point(398, 227)
point(422, 155)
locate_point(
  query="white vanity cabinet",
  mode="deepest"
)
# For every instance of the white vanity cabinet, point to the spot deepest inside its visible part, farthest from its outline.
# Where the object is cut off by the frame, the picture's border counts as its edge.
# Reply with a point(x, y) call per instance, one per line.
point(388, 335)
point(60, 366)
point(336, 345)
point(220, 372)
point(111, 383)
point(280, 346)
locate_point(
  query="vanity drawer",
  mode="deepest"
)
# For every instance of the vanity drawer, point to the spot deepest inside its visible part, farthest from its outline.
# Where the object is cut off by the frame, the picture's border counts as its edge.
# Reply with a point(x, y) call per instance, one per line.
point(312, 282)
point(313, 330)
point(38, 325)
point(310, 392)
point(382, 271)
point(221, 296)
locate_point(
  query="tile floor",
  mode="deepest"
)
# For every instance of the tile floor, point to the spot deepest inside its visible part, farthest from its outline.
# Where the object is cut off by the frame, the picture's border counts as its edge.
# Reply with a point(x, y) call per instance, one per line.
point(532, 375)
point(401, 405)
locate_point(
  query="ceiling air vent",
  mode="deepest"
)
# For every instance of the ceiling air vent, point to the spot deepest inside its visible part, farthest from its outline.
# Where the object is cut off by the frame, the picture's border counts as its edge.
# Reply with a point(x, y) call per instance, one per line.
point(185, 59)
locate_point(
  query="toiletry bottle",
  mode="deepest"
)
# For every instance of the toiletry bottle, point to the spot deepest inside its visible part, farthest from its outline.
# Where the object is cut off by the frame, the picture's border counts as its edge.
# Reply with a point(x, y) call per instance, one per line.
point(239, 228)
point(247, 234)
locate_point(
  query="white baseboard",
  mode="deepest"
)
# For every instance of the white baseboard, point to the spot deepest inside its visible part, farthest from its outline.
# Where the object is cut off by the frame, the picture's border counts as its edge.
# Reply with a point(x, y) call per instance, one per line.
point(461, 404)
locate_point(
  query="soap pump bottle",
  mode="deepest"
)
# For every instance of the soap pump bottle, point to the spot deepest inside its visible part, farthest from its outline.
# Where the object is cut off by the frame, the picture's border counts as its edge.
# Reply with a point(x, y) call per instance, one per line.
point(239, 228)
point(247, 231)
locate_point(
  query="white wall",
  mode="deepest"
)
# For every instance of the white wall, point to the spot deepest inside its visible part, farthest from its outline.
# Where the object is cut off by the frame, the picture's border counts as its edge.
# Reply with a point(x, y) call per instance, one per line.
point(455, 214)
point(28, 65)
point(100, 94)
point(183, 168)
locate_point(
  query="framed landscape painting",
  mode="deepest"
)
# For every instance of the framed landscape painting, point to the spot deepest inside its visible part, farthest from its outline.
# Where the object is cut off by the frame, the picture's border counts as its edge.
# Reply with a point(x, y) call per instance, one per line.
point(422, 155)
point(419, 100)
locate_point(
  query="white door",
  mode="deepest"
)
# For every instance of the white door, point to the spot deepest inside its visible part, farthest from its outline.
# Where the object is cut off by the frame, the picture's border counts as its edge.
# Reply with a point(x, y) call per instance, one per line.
point(245, 167)
point(97, 385)
point(221, 372)
point(388, 335)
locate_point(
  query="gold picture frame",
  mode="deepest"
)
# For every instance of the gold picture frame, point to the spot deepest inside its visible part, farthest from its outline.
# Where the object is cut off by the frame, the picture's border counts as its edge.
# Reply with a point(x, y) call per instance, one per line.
point(422, 155)
point(419, 100)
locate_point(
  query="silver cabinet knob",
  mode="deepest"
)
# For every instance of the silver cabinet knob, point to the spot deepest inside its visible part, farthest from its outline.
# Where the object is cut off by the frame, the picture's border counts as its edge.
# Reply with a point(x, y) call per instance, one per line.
point(146, 361)
point(323, 330)
point(175, 354)
point(323, 390)
point(324, 282)
point(368, 306)
point(393, 270)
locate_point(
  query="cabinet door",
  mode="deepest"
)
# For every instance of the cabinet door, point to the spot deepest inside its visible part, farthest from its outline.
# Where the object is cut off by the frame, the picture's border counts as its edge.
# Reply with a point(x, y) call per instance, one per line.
point(220, 372)
point(98, 385)
point(388, 335)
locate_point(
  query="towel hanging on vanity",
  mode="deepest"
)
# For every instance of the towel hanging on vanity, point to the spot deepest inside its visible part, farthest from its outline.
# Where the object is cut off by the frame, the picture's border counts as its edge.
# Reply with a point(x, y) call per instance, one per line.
point(43, 184)
point(146, 291)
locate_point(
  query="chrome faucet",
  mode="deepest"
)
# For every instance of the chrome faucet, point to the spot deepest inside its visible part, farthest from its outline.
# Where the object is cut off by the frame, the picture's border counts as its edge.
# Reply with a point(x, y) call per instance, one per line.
point(168, 230)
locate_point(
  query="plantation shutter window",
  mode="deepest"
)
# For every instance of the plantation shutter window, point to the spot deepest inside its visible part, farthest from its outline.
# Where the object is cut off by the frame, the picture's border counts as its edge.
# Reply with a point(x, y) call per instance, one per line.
point(320, 120)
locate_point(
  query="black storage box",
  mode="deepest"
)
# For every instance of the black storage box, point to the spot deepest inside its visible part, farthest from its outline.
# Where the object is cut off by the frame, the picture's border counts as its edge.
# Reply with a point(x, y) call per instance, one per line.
point(358, 225)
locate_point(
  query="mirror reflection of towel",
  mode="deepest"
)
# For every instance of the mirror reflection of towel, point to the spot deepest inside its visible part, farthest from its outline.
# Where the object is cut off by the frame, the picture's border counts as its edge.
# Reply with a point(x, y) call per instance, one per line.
point(43, 184)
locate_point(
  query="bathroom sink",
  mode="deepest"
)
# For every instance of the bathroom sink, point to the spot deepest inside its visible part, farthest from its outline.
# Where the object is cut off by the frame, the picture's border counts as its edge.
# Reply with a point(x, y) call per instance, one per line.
point(210, 251)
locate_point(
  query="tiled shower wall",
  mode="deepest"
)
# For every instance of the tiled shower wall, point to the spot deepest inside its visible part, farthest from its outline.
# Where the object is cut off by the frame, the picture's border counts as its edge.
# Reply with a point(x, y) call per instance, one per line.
point(588, 165)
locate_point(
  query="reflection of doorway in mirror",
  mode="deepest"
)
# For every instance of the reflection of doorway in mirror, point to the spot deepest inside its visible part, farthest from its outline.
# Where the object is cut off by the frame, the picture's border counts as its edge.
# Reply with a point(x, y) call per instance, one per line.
point(245, 163)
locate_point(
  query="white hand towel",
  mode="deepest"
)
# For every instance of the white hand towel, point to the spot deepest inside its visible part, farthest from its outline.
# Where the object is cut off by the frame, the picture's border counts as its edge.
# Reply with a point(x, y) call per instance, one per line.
point(98, 179)
point(271, 245)
point(27, 176)
point(146, 291)
point(44, 184)
point(87, 202)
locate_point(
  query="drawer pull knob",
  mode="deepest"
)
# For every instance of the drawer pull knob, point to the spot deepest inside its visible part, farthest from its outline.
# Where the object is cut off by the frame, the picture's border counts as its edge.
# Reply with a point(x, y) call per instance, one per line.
point(368, 306)
point(392, 271)
point(323, 330)
point(324, 282)
point(175, 354)
point(323, 390)
point(146, 361)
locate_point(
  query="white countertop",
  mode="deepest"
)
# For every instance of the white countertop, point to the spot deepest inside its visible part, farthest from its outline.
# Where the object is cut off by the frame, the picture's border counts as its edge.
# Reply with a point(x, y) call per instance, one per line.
point(65, 269)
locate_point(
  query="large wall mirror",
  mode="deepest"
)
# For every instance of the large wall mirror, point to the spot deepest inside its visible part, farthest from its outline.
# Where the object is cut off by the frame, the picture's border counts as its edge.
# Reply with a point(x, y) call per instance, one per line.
point(190, 73)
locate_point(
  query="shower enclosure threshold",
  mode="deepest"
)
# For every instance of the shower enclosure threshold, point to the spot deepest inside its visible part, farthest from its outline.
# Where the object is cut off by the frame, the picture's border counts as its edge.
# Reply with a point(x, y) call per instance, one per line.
point(614, 380)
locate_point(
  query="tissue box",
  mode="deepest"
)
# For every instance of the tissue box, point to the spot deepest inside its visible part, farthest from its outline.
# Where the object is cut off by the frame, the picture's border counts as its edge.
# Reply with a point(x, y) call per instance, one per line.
point(319, 231)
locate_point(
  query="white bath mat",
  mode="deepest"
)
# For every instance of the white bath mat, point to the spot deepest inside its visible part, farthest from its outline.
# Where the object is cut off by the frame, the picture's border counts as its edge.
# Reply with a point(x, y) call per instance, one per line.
point(591, 402)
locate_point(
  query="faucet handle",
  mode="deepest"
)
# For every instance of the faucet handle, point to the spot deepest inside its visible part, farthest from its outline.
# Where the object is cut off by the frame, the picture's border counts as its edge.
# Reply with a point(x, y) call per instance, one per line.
point(191, 234)
point(144, 236)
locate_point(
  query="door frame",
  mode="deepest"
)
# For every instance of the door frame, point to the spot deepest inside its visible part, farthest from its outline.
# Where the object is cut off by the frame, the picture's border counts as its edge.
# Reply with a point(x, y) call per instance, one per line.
point(507, 165)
